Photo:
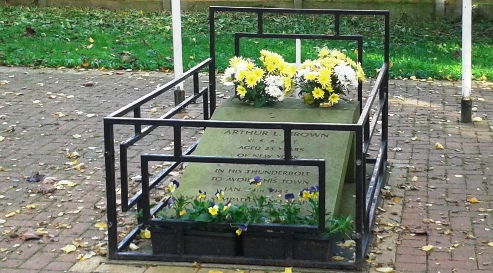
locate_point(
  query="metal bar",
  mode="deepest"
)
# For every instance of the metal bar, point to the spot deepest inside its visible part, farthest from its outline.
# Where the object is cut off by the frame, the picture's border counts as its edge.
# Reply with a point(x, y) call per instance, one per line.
point(144, 201)
point(360, 197)
point(138, 128)
point(147, 130)
point(337, 22)
point(159, 177)
point(196, 84)
point(360, 85)
point(125, 242)
point(109, 158)
point(287, 144)
point(260, 21)
point(237, 124)
point(177, 141)
point(365, 113)
point(146, 98)
point(373, 126)
point(232, 160)
point(235, 260)
point(372, 187)
point(321, 197)
point(124, 177)
point(205, 104)
point(212, 63)
point(299, 11)
point(300, 36)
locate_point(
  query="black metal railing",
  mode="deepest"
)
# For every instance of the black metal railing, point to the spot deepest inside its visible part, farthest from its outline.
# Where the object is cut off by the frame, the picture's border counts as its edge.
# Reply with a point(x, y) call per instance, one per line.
point(367, 191)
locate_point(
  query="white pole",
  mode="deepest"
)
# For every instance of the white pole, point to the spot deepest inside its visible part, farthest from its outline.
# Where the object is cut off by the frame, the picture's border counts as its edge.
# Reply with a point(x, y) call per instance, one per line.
point(177, 45)
point(298, 63)
point(298, 53)
point(466, 103)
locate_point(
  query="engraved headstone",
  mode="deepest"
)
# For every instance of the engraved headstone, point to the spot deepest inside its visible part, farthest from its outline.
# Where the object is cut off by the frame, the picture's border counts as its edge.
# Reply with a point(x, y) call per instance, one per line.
point(333, 146)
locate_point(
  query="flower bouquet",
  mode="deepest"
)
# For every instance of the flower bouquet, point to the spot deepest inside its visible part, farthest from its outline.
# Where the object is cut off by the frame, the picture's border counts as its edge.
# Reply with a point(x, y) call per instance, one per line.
point(324, 80)
point(257, 85)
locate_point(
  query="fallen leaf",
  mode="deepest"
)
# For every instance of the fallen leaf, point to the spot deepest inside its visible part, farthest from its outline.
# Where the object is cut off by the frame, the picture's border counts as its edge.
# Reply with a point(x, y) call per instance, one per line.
point(145, 234)
point(385, 269)
point(438, 146)
point(427, 248)
point(76, 136)
point(31, 206)
point(133, 246)
point(472, 199)
point(91, 40)
point(337, 258)
point(349, 243)
point(101, 225)
point(477, 119)
point(1, 138)
point(10, 214)
point(490, 243)
point(69, 248)
point(415, 179)
point(288, 270)
point(396, 200)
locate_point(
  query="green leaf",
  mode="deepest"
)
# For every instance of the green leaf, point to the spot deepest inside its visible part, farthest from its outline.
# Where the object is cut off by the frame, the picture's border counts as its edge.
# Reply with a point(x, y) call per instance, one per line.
point(204, 217)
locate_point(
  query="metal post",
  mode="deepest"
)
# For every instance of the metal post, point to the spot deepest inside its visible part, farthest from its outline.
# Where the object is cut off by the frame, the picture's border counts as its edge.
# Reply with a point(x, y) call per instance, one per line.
point(466, 103)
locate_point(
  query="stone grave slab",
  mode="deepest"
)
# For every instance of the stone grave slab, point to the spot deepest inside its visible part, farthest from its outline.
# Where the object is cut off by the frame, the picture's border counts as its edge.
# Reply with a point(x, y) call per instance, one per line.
point(333, 146)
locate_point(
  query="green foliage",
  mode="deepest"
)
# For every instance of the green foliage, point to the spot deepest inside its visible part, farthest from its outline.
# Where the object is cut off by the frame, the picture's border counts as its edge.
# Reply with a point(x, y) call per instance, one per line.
point(143, 41)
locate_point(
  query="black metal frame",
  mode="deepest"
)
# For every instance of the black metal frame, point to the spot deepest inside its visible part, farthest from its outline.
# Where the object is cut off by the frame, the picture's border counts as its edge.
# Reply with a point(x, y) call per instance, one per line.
point(367, 192)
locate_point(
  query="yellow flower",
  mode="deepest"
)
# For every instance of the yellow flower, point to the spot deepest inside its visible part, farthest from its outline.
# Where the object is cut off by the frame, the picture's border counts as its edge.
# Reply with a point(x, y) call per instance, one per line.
point(305, 195)
point(201, 195)
point(324, 76)
point(334, 98)
point(259, 72)
point(227, 206)
point(311, 76)
point(238, 232)
point(241, 74)
point(241, 91)
point(318, 93)
point(213, 210)
point(250, 65)
point(360, 74)
point(183, 212)
point(270, 67)
point(308, 99)
point(251, 79)
point(324, 52)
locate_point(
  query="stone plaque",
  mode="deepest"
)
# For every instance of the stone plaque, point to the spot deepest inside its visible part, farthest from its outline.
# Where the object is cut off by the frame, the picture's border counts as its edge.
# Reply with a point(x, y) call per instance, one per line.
point(333, 146)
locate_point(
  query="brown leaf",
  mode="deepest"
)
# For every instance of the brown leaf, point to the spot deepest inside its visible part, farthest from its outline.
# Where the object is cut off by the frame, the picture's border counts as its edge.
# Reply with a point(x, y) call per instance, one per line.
point(30, 31)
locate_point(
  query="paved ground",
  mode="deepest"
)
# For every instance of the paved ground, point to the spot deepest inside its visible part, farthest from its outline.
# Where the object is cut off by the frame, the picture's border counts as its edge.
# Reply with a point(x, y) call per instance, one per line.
point(438, 198)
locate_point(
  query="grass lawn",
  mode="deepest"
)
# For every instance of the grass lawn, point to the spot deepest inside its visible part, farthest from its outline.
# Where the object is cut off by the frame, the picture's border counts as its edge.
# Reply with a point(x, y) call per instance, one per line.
point(96, 38)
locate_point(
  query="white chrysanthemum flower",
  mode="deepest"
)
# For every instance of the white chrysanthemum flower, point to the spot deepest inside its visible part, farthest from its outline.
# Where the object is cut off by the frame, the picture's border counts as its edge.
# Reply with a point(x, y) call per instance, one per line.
point(273, 90)
point(346, 76)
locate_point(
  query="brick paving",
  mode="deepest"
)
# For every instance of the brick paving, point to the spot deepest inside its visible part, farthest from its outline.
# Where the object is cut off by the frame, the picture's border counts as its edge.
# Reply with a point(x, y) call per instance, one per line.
point(56, 112)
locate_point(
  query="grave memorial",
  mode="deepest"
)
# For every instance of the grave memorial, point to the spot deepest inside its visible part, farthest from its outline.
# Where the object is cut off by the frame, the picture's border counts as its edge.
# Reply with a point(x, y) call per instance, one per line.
point(289, 150)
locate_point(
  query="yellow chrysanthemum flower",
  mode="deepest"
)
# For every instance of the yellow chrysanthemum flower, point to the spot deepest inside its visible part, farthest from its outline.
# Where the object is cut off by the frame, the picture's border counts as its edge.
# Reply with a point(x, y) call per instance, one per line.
point(288, 85)
point(270, 67)
point(259, 72)
point(360, 74)
point(251, 79)
point(241, 75)
point(311, 76)
point(324, 52)
point(241, 91)
point(235, 61)
point(318, 93)
point(250, 65)
point(334, 98)
point(324, 76)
